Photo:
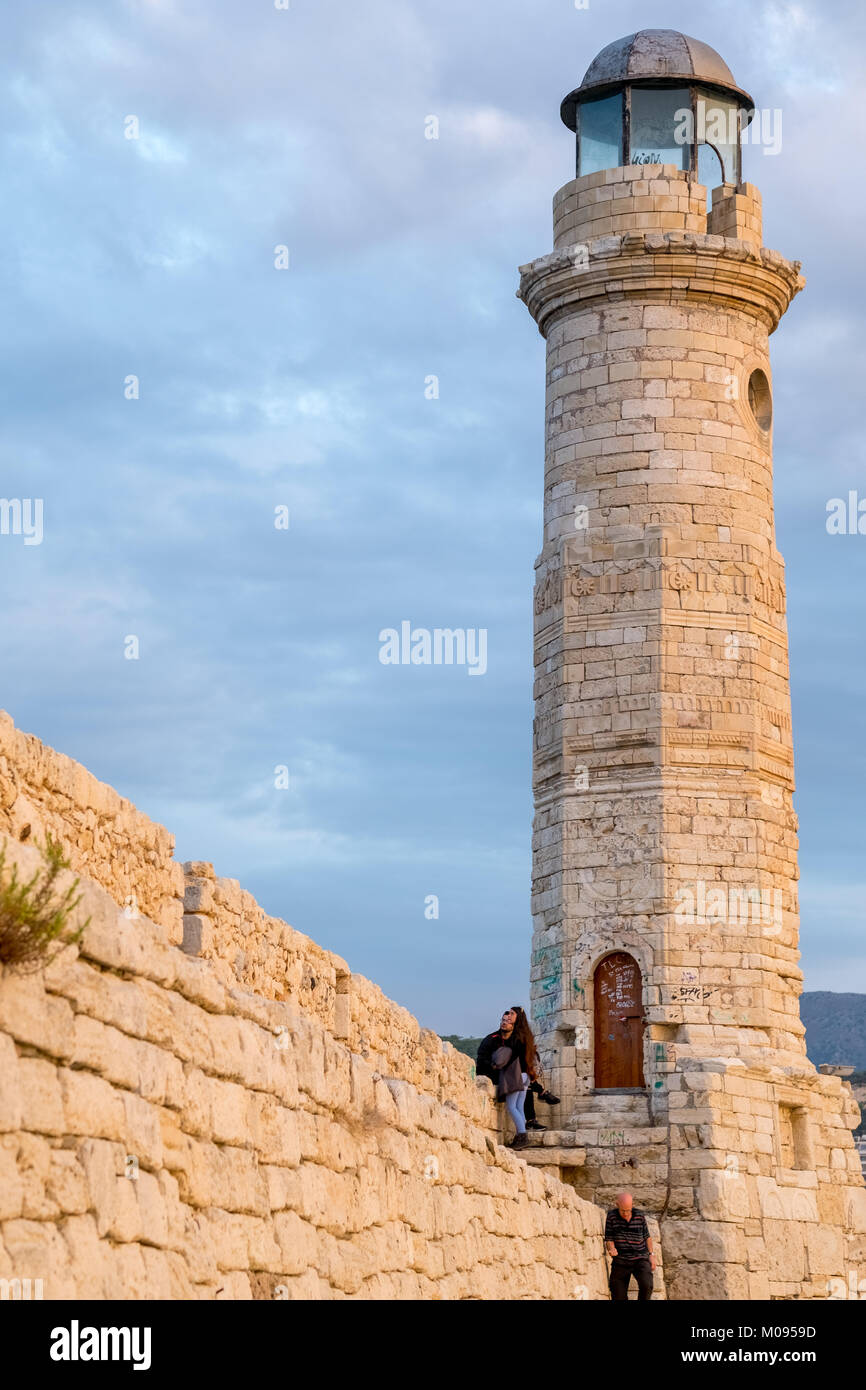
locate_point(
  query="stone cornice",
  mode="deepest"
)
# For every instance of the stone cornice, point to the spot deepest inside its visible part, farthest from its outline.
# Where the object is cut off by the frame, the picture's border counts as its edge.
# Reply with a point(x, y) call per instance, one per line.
point(660, 267)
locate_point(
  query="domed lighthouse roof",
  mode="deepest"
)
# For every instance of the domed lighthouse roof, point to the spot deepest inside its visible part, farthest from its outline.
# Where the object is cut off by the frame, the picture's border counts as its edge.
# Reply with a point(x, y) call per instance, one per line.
point(654, 57)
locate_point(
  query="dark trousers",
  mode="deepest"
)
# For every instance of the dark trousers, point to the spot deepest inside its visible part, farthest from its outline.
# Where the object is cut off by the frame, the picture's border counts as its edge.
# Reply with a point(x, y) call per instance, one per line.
point(620, 1278)
point(529, 1105)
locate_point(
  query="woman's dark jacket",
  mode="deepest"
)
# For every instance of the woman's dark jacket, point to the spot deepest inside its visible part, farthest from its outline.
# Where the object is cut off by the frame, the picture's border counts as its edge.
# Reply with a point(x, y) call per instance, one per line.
point(484, 1065)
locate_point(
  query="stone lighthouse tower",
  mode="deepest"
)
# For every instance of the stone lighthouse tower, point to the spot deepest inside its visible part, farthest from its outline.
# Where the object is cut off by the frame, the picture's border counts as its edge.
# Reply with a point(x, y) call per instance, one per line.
point(665, 983)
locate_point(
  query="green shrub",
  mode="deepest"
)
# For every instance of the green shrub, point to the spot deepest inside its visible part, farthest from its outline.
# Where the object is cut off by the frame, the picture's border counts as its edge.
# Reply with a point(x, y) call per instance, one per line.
point(34, 917)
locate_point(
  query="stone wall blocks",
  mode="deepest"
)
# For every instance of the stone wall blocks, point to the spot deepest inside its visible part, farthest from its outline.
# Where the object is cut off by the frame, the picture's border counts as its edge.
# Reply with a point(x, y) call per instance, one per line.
point(32, 1016)
point(195, 1112)
point(855, 1209)
point(196, 981)
point(127, 1223)
point(159, 1272)
point(102, 1162)
point(10, 1086)
point(234, 1285)
point(86, 1255)
point(233, 1109)
point(229, 1236)
point(198, 892)
point(41, 1097)
point(238, 1050)
point(219, 1175)
point(98, 994)
point(198, 1248)
point(282, 1186)
point(825, 1251)
point(274, 1132)
point(703, 1241)
point(54, 1182)
point(182, 1288)
point(202, 869)
point(175, 1025)
point(404, 1101)
point(25, 816)
point(175, 1212)
point(134, 945)
point(36, 1250)
point(142, 1130)
point(198, 935)
point(126, 1274)
point(176, 1098)
point(723, 1195)
point(125, 1061)
point(786, 1251)
point(11, 1182)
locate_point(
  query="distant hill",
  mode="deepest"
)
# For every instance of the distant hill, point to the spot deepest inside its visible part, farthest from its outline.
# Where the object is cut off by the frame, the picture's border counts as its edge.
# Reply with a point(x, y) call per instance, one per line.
point(835, 1027)
point(467, 1045)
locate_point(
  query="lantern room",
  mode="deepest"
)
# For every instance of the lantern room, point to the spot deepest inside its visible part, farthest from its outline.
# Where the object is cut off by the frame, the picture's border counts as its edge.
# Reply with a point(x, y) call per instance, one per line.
point(660, 97)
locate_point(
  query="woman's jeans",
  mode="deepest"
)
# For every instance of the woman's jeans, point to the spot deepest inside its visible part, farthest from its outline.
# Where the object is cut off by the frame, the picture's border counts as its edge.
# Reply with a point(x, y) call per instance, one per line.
point(514, 1105)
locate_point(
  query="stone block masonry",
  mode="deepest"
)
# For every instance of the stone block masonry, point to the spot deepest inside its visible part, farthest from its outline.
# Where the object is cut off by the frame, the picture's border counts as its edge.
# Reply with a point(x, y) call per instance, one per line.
point(207, 1104)
point(105, 838)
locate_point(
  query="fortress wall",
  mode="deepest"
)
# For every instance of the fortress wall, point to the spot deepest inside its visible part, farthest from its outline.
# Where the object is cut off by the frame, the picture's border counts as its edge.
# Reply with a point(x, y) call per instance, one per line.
point(104, 836)
point(224, 925)
point(167, 1130)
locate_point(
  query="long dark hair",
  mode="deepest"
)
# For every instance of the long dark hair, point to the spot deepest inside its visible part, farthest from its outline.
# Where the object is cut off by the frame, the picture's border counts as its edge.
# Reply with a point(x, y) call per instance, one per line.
point(522, 1035)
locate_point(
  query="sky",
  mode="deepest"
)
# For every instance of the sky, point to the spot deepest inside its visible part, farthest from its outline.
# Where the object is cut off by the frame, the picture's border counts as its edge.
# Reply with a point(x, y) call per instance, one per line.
point(155, 154)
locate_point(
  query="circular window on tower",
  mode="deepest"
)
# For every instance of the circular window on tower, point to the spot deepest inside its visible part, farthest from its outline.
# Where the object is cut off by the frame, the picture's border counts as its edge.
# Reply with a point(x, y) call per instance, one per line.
point(760, 399)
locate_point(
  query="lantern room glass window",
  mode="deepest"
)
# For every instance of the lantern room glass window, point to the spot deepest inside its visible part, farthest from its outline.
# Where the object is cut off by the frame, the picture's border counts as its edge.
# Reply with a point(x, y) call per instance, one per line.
point(711, 171)
point(718, 125)
point(661, 126)
point(600, 139)
point(693, 128)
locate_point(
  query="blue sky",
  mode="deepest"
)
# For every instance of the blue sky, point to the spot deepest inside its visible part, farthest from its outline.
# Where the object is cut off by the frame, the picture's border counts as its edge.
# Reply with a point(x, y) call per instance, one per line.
point(305, 387)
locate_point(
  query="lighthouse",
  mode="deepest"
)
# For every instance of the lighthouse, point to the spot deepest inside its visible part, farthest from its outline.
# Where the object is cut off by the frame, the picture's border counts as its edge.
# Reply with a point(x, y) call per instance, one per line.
point(664, 971)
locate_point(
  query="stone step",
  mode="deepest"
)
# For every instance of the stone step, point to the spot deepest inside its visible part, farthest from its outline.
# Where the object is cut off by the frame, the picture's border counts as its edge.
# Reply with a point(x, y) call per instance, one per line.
point(610, 1136)
point(605, 1137)
point(611, 1110)
point(608, 1119)
point(560, 1158)
point(612, 1100)
point(552, 1138)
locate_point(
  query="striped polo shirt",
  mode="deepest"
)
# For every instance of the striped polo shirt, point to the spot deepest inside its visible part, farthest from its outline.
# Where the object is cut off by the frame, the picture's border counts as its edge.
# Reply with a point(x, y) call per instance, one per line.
point(629, 1237)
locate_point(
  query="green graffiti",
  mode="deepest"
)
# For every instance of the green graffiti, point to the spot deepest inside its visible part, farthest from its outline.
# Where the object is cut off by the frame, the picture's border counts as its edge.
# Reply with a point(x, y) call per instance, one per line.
point(545, 954)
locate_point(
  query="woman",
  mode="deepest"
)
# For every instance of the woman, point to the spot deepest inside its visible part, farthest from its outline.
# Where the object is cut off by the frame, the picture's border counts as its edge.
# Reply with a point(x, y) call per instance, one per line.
point(517, 1060)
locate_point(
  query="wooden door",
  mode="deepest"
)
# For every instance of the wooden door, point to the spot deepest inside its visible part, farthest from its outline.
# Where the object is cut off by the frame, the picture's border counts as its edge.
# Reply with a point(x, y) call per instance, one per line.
point(618, 1023)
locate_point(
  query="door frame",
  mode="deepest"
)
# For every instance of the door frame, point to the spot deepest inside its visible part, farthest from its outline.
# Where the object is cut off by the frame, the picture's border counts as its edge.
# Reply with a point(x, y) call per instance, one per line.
point(641, 967)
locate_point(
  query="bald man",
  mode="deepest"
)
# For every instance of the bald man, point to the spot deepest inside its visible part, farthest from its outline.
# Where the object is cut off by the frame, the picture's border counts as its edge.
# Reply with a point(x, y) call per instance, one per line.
point(630, 1246)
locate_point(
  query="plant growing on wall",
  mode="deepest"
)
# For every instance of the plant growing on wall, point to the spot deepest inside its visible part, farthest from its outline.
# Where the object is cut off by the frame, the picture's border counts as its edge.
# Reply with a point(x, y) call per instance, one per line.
point(35, 918)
